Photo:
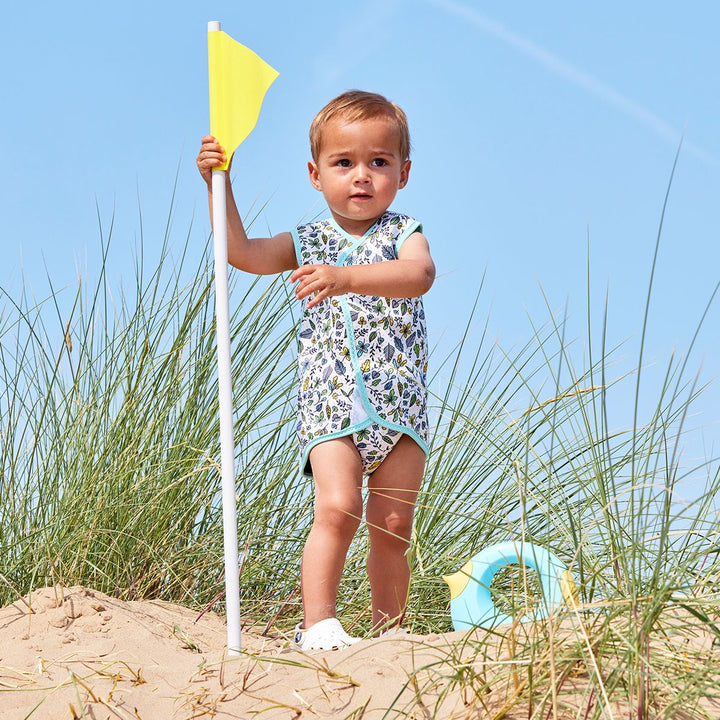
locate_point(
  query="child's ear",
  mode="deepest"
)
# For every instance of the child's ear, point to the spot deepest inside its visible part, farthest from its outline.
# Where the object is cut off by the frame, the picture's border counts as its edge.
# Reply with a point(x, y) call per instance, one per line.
point(404, 173)
point(314, 175)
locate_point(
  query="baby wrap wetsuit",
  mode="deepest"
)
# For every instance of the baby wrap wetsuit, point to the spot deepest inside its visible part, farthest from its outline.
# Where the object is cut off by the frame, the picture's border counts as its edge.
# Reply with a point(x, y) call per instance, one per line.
point(362, 359)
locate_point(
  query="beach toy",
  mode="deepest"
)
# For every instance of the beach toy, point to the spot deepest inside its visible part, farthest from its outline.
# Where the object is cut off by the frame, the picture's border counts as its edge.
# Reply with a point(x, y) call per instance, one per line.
point(471, 604)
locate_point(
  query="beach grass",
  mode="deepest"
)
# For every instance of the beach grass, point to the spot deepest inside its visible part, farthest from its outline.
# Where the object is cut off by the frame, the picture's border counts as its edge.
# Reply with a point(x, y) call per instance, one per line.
point(110, 479)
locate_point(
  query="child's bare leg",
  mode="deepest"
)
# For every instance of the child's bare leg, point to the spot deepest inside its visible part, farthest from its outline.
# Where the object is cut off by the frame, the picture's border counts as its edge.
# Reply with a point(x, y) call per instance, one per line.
point(391, 503)
point(337, 471)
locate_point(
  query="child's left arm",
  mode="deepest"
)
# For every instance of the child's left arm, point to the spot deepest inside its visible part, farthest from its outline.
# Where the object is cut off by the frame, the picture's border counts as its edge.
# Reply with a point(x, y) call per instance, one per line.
point(411, 275)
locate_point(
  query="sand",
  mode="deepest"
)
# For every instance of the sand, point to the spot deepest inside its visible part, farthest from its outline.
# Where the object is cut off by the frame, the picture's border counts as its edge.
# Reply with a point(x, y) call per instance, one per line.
point(76, 653)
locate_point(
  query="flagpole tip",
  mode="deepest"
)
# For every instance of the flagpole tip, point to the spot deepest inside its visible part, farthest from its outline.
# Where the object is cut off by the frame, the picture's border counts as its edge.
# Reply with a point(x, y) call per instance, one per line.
point(214, 26)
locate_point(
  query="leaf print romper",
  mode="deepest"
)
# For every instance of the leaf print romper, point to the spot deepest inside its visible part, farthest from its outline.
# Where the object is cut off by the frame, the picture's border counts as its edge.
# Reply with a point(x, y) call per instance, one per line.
point(362, 359)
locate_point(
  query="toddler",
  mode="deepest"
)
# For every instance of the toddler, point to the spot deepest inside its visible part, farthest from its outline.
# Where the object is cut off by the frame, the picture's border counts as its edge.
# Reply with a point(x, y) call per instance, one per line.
point(362, 358)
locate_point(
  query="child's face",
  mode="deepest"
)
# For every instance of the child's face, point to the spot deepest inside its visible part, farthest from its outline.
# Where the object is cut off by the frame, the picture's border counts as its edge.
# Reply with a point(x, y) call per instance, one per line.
point(359, 171)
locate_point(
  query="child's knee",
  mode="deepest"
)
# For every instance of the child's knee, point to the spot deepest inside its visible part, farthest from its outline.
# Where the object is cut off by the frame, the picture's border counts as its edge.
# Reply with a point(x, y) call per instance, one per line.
point(341, 518)
point(390, 527)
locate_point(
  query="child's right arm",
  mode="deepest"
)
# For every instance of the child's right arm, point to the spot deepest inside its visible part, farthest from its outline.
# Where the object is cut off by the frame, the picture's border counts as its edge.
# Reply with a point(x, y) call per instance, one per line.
point(260, 256)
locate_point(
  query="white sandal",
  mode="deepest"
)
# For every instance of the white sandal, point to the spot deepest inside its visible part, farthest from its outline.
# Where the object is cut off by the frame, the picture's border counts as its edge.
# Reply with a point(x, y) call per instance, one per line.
point(397, 630)
point(327, 634)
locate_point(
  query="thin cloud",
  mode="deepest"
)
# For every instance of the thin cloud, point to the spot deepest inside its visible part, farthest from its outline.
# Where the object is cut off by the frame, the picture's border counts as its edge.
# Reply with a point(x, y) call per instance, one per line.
point(577, 77)
point(336, 60)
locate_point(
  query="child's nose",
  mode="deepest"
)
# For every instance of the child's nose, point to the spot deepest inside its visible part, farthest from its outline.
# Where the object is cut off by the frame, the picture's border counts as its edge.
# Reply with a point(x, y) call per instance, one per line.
point(362, 173)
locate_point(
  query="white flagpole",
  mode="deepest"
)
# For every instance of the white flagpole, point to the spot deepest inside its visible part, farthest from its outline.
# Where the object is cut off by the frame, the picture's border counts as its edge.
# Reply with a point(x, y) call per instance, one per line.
point(227, 442)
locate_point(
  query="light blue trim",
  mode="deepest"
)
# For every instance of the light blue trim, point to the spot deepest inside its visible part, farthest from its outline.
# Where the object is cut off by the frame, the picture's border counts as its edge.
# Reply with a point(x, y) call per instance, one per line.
point(350, 430)
point(350, 238)
point(297, 245)
point(362, 390)
point(414, 226)
point(353, 242)
point(372, 415)
point(331, 436)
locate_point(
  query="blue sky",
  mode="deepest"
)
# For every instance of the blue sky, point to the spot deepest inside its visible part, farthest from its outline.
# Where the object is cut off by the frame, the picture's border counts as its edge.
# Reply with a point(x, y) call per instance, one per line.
point(538, 130)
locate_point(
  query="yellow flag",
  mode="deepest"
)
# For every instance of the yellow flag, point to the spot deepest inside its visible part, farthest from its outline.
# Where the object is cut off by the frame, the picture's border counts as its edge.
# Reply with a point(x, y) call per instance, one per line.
point(239, 80)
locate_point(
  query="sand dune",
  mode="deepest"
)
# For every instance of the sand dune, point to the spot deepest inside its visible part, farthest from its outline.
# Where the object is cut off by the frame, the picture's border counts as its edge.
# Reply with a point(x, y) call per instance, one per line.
point(76, 653)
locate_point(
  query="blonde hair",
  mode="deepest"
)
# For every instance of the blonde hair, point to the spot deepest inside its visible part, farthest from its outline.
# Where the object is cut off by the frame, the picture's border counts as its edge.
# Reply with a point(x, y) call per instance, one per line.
point(355, 105)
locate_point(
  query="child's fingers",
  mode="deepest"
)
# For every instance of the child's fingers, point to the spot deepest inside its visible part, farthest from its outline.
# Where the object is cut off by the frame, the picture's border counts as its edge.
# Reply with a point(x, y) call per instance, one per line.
point(306, 284)
point(314, 296)
point(301, 272)
point(304, 289)
point(210, 145)
point(316, 282)
point(317, 296)
point(210, 141)
point(210, 160)
point(211, 154)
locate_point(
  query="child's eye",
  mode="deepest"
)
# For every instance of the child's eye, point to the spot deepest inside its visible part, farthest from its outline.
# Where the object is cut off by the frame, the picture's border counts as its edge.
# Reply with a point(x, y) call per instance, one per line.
point(344, 163)
point(379, 162)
